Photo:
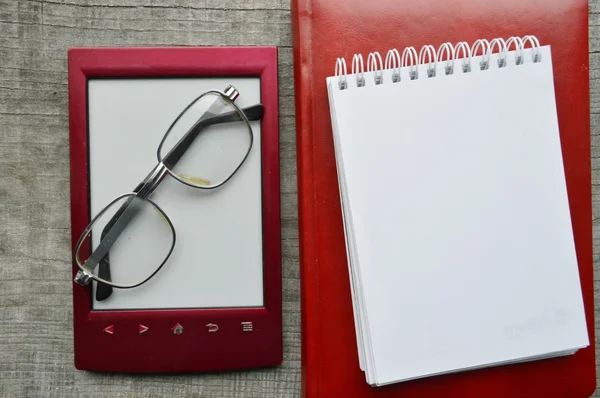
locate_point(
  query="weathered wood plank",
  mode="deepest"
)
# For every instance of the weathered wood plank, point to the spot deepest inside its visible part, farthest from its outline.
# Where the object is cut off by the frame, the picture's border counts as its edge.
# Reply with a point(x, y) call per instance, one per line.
point(594, 43)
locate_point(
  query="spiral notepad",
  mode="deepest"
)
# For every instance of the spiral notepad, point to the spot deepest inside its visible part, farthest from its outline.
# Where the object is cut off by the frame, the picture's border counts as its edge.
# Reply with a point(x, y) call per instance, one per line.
point(455, 208)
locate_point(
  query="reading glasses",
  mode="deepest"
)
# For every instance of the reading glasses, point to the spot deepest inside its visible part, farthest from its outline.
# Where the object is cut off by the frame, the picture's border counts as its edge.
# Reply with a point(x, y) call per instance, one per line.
point(131, 239)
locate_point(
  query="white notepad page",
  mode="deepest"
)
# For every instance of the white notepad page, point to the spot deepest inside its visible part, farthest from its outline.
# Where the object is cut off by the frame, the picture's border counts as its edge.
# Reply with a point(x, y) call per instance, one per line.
point(350, 252)
point(457, 220)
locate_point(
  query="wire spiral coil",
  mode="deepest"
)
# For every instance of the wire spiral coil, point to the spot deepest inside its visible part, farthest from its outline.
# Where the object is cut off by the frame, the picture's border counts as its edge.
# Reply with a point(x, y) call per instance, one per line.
point(448, 54)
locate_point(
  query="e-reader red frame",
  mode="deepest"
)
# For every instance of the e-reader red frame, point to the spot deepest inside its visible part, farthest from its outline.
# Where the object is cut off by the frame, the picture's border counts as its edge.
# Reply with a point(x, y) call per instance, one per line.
point(122, 348)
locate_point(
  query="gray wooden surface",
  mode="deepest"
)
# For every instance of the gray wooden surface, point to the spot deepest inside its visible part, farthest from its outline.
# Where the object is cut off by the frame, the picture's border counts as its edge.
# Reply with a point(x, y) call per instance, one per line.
point(36, 354)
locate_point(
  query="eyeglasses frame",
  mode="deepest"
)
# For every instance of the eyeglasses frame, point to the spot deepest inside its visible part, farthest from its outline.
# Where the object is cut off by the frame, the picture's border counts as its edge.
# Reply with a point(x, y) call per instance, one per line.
point(155, 177)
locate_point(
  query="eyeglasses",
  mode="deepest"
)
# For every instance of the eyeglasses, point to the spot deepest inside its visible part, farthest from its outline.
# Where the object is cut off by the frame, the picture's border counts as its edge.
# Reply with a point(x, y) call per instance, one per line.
point(132, 237)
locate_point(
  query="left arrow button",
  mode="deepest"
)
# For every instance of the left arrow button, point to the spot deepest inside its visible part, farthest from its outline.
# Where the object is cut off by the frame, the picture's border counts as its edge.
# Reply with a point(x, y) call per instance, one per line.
point(110, 329)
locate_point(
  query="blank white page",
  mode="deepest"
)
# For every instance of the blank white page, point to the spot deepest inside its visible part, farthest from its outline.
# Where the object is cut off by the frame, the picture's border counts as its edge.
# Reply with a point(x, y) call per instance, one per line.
point(463, 240)
point(218, 259)
point(357, 304)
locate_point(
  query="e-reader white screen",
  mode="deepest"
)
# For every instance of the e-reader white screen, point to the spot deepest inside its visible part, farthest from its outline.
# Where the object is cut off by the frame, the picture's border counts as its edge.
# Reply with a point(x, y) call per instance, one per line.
point(217, 260)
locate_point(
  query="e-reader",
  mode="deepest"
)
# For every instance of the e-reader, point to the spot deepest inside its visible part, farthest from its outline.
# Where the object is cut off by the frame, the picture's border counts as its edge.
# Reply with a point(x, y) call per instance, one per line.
point(215, 301)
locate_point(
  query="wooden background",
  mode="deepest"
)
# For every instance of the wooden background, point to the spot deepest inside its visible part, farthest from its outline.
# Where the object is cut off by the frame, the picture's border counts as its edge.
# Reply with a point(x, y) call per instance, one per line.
point(36, 349)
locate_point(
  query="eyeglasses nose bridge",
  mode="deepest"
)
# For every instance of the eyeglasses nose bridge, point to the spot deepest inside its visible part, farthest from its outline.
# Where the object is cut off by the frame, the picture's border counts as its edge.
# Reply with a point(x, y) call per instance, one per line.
point(152, 181)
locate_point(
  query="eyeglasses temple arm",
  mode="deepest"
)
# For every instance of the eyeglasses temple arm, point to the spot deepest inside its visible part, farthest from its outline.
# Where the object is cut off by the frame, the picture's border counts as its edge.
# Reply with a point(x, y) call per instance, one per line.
point(112, 230)
point(252, 113)
point(103, 291)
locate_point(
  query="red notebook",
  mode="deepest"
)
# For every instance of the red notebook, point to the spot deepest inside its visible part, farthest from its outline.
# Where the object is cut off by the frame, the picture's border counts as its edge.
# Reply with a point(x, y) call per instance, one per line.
point(324, 30)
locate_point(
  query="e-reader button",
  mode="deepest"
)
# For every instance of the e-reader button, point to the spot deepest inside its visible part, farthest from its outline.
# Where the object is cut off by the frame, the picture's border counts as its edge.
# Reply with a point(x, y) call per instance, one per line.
point(109, 329)
point(247, 327)
point(177, 329)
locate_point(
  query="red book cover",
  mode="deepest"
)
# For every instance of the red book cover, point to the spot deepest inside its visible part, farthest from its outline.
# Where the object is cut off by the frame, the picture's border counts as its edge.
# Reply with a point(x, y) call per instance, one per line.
point(326, 29)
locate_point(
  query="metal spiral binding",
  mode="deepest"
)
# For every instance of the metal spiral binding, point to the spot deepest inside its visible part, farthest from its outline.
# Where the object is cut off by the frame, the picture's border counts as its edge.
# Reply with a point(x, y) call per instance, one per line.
point(358, 68)
point(374, 66)
point(428, 55)
point(501, 51)
point(518, 48)
point(429, 51)
point(466, 49)
point(393, 62)
point(535, 44)
point(448, 49)
point(342, 73)
point(485, 47)
point(410, 52)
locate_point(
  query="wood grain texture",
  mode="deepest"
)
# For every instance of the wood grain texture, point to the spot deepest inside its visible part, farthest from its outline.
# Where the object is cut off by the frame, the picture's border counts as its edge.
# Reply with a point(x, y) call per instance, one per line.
point(594, 43)
point(36, 351)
